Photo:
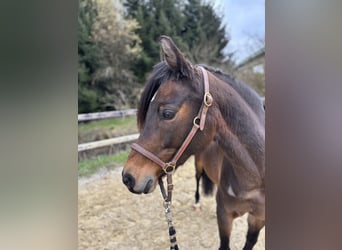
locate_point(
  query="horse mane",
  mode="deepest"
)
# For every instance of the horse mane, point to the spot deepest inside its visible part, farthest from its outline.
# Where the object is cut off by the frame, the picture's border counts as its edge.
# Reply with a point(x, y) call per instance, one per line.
point(162, 72)
point(251, 97)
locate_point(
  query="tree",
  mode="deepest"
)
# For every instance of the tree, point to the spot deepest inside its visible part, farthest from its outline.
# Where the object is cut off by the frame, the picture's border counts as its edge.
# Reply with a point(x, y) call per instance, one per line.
point(205, 34)
point(107, 46)
point(119, 46)
point(155, 18)
point(193, 25)
point(88, 58)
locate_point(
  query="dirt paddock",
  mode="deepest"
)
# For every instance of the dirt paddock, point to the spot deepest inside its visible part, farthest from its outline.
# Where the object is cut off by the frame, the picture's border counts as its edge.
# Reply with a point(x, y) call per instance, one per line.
point(112, 218)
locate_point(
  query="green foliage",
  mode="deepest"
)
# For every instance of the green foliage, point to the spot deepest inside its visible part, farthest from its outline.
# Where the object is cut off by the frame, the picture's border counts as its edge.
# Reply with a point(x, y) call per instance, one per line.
point(87, 99)
point(118, 46)
point(107, 46)
point(205, 35)
point(89, 166)
point(155, 18)
point(193, 25)
point(88, 58)
point(94, 130)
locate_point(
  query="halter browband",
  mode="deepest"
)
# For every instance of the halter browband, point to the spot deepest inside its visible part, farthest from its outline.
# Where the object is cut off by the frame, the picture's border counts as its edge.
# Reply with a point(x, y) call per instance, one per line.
point(198, 123)
point(169, 167)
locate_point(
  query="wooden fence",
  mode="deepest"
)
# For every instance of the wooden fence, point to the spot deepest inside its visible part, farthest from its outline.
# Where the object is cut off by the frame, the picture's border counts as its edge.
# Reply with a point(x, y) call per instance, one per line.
point(111, 141)
point(106, 115)
point(107, 142)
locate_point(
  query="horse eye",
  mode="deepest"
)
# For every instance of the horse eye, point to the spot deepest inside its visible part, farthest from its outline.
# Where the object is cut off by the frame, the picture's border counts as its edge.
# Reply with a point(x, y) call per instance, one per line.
point(168, 114)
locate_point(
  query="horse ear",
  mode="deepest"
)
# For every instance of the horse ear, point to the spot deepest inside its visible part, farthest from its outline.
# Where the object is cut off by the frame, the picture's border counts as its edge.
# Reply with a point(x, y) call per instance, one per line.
point(174, 57)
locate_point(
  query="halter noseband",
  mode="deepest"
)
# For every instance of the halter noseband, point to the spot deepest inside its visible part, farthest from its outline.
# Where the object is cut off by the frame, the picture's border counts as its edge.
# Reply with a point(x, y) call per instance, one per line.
point(169, 167)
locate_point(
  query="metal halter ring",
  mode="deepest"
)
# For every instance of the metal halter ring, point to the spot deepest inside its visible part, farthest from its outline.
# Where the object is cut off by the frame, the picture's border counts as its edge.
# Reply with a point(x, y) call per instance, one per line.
point(169, 168)
point(208, 99)
point(196, 121)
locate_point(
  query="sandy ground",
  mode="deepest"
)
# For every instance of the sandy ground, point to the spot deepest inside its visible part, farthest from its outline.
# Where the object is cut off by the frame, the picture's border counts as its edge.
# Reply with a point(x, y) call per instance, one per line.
point(112, 218)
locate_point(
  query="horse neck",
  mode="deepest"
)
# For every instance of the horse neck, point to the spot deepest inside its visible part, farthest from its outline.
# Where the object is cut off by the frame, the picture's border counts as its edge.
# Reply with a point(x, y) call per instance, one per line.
point(240, 134)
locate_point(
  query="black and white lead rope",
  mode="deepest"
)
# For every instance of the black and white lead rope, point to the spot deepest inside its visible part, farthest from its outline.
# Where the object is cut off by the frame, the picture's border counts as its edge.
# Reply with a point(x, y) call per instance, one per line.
point(168, 216)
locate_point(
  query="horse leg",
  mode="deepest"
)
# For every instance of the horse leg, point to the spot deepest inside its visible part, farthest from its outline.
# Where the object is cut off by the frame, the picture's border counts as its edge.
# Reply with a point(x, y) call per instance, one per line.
point(224, 221)
point(197, 205)
point(254, 227)
point(199, 172)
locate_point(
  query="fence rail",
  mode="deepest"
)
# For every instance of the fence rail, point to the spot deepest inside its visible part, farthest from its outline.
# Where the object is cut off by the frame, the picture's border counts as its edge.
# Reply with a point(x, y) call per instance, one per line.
point(105, 115)
point(107, 142)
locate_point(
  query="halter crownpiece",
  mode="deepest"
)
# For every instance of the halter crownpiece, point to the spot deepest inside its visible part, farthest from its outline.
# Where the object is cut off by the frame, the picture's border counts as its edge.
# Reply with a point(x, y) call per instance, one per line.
point(169, 167)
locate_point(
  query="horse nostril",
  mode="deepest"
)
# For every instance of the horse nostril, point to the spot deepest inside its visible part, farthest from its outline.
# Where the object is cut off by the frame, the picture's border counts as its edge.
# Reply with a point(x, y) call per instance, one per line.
point(128, 180)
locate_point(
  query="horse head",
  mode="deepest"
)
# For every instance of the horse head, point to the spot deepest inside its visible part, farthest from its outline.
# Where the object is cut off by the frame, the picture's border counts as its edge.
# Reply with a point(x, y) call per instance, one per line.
point(167, 111)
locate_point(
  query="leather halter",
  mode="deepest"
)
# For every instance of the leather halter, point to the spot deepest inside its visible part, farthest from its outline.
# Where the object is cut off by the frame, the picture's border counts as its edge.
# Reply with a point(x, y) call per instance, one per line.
point(169, 167)
point(198, 123)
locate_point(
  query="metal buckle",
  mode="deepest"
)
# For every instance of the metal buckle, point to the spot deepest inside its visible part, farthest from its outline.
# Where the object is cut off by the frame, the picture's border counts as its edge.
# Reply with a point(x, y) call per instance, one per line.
point(169, 168)
point(208, 99)
point(167, 205)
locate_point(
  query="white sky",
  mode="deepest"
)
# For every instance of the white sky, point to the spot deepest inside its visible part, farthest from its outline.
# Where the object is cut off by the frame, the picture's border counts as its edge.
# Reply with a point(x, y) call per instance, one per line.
point(245, 23)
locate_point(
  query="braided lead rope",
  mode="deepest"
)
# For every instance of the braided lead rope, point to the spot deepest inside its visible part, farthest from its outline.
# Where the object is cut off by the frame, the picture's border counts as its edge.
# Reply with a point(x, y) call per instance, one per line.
point(168, 212)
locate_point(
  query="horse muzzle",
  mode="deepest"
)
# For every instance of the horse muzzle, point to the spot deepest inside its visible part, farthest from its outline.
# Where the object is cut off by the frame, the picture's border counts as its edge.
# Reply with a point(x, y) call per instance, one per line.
point(146, 185)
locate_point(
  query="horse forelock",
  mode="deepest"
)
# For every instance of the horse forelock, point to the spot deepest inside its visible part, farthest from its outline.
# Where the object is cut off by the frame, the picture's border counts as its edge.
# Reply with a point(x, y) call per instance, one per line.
point(160, 74)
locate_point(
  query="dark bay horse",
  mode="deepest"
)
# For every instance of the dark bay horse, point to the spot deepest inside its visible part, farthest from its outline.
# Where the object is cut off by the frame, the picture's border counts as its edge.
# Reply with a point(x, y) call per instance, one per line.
point(234, 124)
